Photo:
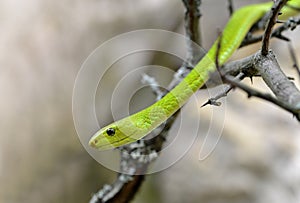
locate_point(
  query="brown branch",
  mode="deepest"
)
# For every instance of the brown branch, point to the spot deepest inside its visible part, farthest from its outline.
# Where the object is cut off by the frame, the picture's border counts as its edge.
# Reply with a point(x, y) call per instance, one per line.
point(272, 21)
point(192, 17)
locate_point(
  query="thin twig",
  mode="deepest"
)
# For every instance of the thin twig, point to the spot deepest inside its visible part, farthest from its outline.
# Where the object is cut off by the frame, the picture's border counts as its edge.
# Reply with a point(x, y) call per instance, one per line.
point(294, 58)
point(230, 7)
point(155, 87)
point(192, 17)
point(226, 89)
point(272, 21)
point(214, 101)
point(268, 97)
point(291, 23)
point(218, 53)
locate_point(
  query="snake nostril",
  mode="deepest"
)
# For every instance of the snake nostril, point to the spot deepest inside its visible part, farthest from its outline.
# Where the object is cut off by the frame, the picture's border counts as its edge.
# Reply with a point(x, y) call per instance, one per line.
point(93, 143)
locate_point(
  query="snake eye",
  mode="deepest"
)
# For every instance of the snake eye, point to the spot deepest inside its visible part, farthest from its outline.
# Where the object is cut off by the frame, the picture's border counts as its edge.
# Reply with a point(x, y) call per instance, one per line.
point(110, 131)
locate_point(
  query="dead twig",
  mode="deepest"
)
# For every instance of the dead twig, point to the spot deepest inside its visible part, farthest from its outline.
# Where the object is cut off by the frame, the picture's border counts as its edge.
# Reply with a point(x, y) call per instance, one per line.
point(214, 101)
point(294, 58)
point(230, 7)
point(272, 21)
point(291, 24)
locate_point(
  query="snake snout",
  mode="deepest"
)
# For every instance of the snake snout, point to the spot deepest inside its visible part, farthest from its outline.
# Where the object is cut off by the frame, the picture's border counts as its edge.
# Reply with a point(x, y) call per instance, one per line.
point(93, 143)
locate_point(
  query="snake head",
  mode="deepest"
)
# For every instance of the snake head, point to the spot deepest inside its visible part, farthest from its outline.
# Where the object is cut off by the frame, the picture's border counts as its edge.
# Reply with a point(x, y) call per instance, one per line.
point(112, 136)
point(105, 138)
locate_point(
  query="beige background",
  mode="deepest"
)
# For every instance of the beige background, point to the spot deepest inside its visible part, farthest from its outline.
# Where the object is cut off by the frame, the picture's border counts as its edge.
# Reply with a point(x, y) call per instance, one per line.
point(44, 43)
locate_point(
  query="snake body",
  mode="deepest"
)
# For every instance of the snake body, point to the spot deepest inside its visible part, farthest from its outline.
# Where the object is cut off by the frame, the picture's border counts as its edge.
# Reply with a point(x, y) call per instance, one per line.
point(138, 125)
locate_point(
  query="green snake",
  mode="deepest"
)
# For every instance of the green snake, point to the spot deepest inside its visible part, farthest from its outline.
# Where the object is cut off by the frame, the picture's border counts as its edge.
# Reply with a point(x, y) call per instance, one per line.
point(138, 125)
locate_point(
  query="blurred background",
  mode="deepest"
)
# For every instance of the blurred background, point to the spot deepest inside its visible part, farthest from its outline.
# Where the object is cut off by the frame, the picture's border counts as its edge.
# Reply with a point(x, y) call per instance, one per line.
point(43, 45)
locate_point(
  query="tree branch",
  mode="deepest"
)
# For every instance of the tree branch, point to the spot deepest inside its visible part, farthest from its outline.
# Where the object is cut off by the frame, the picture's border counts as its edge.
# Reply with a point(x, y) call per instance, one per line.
point(278, 82)
point(268, 97)
point(277, 32)
point(226, 89)
point(192, 17)
point(287, 95)
point(272, 21)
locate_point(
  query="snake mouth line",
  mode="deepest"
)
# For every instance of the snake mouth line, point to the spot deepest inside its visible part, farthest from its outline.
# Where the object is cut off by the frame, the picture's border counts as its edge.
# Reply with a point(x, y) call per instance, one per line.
point(112, 143)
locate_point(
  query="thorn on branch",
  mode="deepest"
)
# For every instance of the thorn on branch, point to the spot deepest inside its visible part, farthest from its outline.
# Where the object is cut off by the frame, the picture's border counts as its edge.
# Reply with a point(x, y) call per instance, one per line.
point(251, 80)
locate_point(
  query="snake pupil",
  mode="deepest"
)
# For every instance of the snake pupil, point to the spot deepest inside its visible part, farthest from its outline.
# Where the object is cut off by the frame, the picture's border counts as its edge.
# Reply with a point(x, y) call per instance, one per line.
point(110, 131)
